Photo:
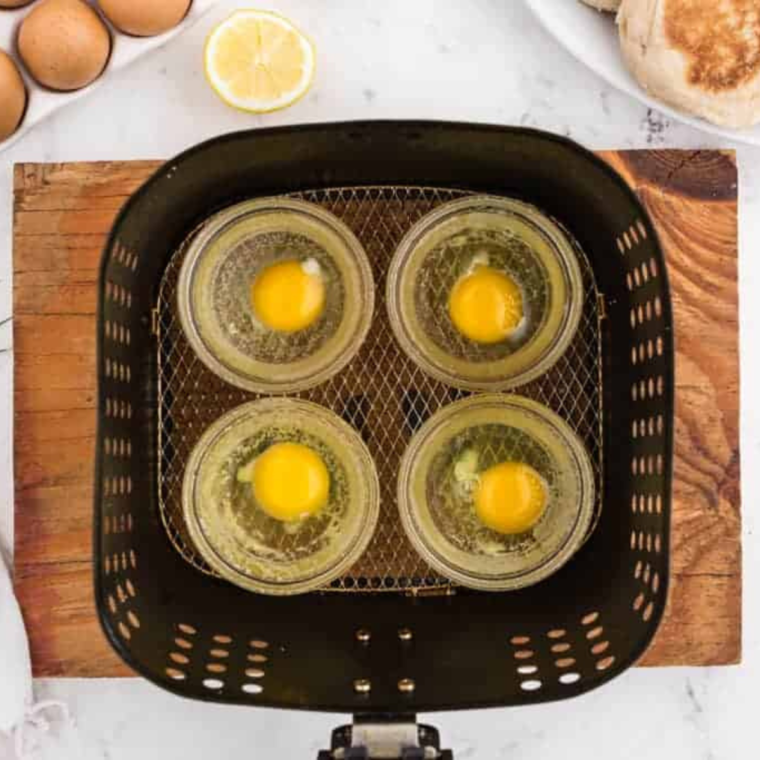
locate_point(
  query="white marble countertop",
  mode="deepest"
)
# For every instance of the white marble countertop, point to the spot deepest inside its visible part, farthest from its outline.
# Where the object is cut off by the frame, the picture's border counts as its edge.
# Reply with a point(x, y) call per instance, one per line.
point(480, 60)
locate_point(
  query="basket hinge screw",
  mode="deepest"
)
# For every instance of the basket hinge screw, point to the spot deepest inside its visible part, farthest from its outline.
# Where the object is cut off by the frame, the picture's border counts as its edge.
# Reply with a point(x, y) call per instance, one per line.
point(405, 634)
point(363, 635)
point(362, 686)
point(406, 686)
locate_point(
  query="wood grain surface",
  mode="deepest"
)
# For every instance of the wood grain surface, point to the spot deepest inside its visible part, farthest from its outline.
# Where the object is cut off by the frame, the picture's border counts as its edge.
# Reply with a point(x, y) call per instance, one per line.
point(63, 213)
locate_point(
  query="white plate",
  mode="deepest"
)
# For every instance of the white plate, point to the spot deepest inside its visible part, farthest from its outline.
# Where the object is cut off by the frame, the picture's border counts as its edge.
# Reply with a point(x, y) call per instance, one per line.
point(592, 38)
point(124, 50)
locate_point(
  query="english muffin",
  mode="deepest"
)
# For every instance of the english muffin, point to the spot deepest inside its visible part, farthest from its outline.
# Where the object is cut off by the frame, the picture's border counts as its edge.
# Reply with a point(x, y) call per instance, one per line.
point(697, 55)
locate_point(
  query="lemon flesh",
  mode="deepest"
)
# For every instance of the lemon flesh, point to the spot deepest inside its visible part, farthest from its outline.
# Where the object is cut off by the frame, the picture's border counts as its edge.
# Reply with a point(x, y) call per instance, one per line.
point(258, 61)
point(288, 296)
point(290, 481)
point(510, 497)
point(486, 305)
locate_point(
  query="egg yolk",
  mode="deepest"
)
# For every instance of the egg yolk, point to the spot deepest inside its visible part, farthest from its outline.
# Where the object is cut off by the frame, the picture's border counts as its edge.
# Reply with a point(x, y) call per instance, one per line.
point(288, 296)
point(290, 482)
point(510, 498)
point(486, 305)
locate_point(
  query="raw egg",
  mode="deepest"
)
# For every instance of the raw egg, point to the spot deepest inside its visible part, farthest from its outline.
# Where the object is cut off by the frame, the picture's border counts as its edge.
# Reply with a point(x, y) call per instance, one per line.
point(510, 497)
point(289, 296)
point(290, 481)
point(64, 44)
point(145, 18)
point(486, 305)
point(12, 96)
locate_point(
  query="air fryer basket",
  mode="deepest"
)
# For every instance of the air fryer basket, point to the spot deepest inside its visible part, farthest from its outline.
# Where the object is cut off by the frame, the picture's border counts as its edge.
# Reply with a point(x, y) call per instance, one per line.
point(397, 652)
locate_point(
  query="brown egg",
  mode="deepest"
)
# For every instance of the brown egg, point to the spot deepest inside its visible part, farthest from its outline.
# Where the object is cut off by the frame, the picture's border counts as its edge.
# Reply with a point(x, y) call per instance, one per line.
point(12, 96)
point(145, 18)
point(64, 44)
point(13, 3)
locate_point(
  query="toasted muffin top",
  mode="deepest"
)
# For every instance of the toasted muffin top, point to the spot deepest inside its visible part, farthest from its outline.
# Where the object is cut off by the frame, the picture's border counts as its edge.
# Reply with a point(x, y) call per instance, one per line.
point(720, 39)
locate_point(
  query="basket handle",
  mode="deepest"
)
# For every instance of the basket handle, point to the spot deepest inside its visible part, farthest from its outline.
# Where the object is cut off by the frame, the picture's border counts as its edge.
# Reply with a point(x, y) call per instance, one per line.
point(385, 737)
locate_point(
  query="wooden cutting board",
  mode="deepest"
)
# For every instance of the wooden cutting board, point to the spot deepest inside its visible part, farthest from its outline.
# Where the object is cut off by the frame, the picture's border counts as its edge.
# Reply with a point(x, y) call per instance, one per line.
point(62, 215)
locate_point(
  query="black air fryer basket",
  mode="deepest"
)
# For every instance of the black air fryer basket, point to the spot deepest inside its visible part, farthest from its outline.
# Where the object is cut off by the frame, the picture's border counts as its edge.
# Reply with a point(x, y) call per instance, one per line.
point(391, 638)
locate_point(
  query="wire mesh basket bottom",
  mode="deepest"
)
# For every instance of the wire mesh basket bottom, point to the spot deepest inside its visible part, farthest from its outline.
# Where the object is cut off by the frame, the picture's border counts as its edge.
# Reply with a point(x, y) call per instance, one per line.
point(381, 393)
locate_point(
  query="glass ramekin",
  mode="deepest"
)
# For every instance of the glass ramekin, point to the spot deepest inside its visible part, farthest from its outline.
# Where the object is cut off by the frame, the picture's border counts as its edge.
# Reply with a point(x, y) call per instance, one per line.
point(513, 237)
point(436, 503)
point(214, 307)
point(246, 546)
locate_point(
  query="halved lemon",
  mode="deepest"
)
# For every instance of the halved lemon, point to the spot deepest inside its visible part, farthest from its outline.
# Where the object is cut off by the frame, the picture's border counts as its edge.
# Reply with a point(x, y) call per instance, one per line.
point(258, 61)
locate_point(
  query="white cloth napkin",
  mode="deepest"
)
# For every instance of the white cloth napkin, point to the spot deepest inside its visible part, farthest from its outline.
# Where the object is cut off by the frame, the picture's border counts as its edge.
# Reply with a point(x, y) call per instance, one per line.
point(20, 717)
point(16, 679)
